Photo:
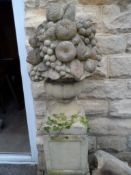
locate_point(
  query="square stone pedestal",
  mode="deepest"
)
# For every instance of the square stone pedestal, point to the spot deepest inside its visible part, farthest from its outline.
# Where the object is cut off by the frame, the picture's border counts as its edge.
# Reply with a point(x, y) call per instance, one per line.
point(67, 153)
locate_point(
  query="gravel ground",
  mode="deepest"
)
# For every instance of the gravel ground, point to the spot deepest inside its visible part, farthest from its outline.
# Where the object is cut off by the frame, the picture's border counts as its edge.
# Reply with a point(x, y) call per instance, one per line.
point(18, 170)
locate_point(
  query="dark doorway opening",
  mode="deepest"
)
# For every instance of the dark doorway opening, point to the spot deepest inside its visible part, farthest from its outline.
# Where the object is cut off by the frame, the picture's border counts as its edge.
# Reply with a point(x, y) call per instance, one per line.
point(13, 125)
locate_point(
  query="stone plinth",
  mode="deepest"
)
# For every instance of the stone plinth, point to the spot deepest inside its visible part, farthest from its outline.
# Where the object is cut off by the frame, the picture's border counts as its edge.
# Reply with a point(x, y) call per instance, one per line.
point(67, 153)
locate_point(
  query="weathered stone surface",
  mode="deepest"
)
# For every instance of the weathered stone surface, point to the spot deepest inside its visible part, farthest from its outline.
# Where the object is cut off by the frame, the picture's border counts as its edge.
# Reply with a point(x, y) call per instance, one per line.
point(77, 69)
point(107, 89)
point(108, 164)
point(121, 23)
point(120, 66)
point(63, 91)
point(105, 126)
point(113, 143)
point(67, 107)
point(40, 108)
point(89, 11)
point(100, 2)
point(38, 91)
point(110, 12)
point(111, 44)
point(52, 74)
point(125, 156)
point(129, 142)
point(128, 37)
point(120, 108)
point(34, 17)
point(91, 143)
point(95, 107)
point(30, 3)
point(102, 69)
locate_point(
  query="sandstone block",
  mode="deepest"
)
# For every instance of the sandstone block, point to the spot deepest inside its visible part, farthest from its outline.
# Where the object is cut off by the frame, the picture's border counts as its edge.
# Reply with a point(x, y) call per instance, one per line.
point(111, 44)
point(121, 23)
point(89, 11)
point(120, 108)
point(106, 126)
point(95, 107)
point(120, 66)
point(113, 143)
point(107, 89)
point(110, 12)
point(40, 108)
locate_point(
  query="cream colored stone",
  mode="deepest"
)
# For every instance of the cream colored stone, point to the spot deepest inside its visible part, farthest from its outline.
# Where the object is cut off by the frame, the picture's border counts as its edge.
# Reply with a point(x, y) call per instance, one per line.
point(89, 11)
point(34, 17)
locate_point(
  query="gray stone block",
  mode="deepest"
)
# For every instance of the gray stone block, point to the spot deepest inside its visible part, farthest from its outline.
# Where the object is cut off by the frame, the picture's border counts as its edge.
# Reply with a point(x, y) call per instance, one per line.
point(120, 108)
point(107, 89)
point(120, 66)
point(111, 44)
point(129, 142)
point(106, 126)
point(95, 107)
point(114, 143)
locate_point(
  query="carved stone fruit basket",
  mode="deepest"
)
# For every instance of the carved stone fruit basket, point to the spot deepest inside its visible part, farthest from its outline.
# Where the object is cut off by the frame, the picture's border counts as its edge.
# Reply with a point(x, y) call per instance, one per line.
point(64, 49)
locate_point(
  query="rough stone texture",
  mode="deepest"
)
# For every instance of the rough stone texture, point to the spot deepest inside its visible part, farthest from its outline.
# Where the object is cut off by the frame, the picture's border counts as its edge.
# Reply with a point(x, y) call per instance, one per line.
point(34, 17)
point(129, 142)
point(113, 143)
point(95, 108)
point(92, 12)
point(91, 143)
point(108, 164)
point(120, 66)
point(68, 107)
point(111, 44)
point(121, 109)
point(100, 2)
point(107, 89)
point(106, 126)
point(38, 91)
point(40, 108)
point(128, 37)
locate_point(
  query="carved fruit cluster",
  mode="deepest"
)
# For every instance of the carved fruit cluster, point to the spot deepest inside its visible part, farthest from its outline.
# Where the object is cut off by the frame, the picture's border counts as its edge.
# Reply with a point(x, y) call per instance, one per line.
point(63, 48)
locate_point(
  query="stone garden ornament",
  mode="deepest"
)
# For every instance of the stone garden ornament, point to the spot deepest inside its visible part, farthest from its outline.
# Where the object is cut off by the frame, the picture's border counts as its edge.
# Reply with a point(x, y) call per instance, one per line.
point(64, 48)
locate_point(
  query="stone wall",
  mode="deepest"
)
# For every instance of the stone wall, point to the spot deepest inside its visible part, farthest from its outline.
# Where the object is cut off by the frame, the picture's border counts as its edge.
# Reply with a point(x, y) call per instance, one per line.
point(107, 95)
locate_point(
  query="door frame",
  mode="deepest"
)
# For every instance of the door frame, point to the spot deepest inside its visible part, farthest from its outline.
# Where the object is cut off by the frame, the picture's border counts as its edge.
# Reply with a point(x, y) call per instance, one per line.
point(29, 158)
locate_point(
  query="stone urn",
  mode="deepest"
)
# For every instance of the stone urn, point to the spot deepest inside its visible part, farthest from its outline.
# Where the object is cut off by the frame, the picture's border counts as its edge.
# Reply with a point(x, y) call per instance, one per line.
point(64, 53)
